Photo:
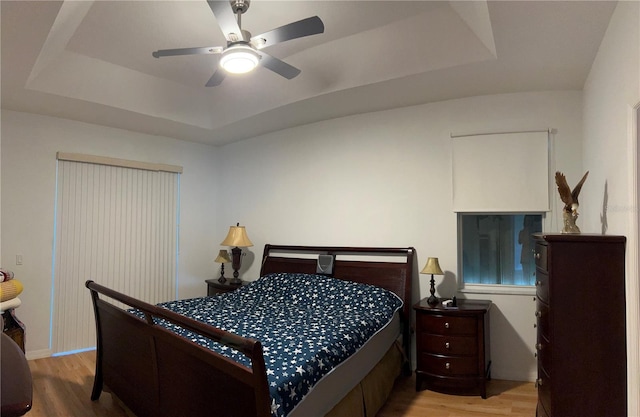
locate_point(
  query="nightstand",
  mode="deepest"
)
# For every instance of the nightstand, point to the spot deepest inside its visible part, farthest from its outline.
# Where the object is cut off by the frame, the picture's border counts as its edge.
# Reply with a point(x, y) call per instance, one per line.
point(215, 287)
point(452, 346)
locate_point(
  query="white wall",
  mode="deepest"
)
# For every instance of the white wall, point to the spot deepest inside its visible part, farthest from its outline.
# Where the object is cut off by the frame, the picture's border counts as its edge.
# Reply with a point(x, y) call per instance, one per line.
point(373, 179)
point(384, 179)
point(29, 146)
point(611, 95)
point(380, 179)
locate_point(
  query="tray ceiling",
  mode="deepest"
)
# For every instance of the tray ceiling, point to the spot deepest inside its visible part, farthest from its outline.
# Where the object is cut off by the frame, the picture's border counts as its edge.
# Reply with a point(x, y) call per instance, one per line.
point(91, 61)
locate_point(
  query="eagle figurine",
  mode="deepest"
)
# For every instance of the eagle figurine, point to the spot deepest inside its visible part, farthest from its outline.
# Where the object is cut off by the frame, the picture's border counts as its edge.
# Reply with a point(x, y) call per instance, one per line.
point(570, 199)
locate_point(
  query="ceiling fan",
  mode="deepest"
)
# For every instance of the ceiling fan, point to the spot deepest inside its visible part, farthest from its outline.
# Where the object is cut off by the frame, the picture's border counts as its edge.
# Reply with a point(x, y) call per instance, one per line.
point(244, 52)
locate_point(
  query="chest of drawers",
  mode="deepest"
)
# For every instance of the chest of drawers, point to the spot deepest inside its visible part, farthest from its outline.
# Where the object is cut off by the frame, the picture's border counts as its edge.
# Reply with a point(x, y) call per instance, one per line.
point(452, 346)
point(580, 322)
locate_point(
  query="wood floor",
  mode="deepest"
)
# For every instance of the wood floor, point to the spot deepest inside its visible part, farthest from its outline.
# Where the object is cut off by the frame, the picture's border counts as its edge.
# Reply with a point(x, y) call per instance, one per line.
point(62, 387)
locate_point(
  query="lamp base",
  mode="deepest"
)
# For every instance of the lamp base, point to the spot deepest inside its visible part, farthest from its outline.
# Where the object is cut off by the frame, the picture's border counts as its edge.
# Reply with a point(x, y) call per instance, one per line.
point(236, 258)
point(433, 300)
point(222, 278)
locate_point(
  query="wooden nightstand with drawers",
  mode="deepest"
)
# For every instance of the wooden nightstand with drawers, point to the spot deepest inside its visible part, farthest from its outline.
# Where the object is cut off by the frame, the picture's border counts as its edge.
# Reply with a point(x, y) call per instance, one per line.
point(452, 347)
point(215, 287)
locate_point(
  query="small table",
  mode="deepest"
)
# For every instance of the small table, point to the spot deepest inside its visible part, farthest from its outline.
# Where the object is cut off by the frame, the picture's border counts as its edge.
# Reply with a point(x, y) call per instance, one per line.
point(215, 287)
point(452, 346)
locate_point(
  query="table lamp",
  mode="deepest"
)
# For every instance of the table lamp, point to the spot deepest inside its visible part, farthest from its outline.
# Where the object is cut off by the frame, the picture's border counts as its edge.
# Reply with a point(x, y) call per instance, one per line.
point(432, 267)
point(237, 237)
point(222, 258)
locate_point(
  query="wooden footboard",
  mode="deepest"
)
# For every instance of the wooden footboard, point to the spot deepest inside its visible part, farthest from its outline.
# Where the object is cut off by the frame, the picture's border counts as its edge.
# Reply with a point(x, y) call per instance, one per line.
point(156, 372)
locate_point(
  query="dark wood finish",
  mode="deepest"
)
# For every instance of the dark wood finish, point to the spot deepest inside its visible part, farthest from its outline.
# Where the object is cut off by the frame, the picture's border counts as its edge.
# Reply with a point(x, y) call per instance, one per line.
point(13, 327)
point(452, 346)
point(580, 311)
point(156, 372)
point(60, 389)
point(215, 287)
point(395, 276)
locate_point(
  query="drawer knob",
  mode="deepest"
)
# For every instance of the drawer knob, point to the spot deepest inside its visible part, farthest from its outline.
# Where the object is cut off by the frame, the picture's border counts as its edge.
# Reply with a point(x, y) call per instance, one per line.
point(538, 313)
point(538, 255)
point(538, 382)
point(446, 325)
point(447, 365)
point(538, 283)
point(538, 346)
point(446, 345)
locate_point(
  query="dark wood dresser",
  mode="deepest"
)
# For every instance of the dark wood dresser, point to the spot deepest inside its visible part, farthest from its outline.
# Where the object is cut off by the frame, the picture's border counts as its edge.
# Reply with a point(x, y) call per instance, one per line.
point(452, 346)
point(580, 311)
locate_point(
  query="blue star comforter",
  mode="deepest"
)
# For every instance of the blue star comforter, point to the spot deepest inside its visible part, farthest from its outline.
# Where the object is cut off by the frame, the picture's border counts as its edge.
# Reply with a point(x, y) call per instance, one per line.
point(307, 324)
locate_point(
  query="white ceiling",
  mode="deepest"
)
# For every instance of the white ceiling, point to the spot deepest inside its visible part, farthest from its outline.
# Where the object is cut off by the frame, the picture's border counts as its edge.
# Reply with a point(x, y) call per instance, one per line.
point(91, 61)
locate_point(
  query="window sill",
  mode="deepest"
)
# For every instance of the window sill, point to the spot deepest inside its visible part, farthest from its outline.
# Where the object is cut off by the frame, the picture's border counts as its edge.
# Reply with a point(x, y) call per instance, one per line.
point(498, 289)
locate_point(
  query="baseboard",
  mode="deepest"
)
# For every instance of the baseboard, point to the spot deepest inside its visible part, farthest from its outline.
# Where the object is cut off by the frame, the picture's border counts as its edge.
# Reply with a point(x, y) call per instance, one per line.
point(38, 354)
point(515, 376)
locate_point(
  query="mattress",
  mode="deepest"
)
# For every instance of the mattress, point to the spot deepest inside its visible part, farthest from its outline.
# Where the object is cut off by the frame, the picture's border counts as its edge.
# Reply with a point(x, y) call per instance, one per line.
point(336, 384)
point(308, 325)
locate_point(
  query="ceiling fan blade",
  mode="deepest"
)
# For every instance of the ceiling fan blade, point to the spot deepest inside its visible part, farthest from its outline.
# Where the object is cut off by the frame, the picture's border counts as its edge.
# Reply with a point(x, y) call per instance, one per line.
point(278, 66)
point(226, 18)
point(301, 28)
point(216, 78)
point(188, 51)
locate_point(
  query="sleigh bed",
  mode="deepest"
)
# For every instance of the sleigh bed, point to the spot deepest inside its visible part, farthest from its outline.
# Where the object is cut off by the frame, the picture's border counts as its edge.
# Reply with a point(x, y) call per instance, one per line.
point(175, 359)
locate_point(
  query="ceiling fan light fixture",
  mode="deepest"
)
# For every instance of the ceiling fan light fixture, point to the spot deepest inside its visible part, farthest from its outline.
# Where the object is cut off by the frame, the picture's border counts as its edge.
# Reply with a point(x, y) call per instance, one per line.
point(239, 59)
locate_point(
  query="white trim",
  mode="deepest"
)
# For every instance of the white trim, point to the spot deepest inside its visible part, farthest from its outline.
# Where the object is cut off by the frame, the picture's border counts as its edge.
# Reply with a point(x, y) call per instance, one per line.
point(462, 135)
point(633, 259)
point(116, 162)
point(515, 376)
point(38, 354)
point(498, 289)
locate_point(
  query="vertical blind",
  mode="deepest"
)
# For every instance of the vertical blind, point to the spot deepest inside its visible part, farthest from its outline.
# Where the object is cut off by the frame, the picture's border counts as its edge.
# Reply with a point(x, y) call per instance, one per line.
point(116, 224)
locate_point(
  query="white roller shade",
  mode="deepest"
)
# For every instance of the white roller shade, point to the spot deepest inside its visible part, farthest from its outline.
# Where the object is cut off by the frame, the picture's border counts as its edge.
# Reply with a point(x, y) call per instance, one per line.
point(506, 172)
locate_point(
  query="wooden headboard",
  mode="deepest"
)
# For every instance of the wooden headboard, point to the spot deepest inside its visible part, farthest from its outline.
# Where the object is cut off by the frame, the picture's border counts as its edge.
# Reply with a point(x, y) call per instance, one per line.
point(389, 268)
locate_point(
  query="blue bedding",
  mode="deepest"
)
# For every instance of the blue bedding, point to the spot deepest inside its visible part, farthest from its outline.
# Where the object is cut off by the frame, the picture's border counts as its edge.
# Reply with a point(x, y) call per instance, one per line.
point(307, 324)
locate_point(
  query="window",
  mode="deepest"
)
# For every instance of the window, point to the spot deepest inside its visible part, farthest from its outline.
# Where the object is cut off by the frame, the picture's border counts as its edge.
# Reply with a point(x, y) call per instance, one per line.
point(494, 176)
point(498, 248)
point(116, 223)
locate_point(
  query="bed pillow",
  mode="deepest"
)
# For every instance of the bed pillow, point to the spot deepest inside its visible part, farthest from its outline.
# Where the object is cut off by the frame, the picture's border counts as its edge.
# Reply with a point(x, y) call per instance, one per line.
point(10, 289)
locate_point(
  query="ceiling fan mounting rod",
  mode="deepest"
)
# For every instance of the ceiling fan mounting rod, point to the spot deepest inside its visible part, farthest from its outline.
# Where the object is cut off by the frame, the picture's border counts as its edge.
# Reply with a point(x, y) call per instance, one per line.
point(240, 6)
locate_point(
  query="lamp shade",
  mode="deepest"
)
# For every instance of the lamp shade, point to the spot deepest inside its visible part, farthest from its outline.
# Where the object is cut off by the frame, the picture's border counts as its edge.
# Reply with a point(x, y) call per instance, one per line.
point(237, 236)
point(223, 257)
point(432, 267)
